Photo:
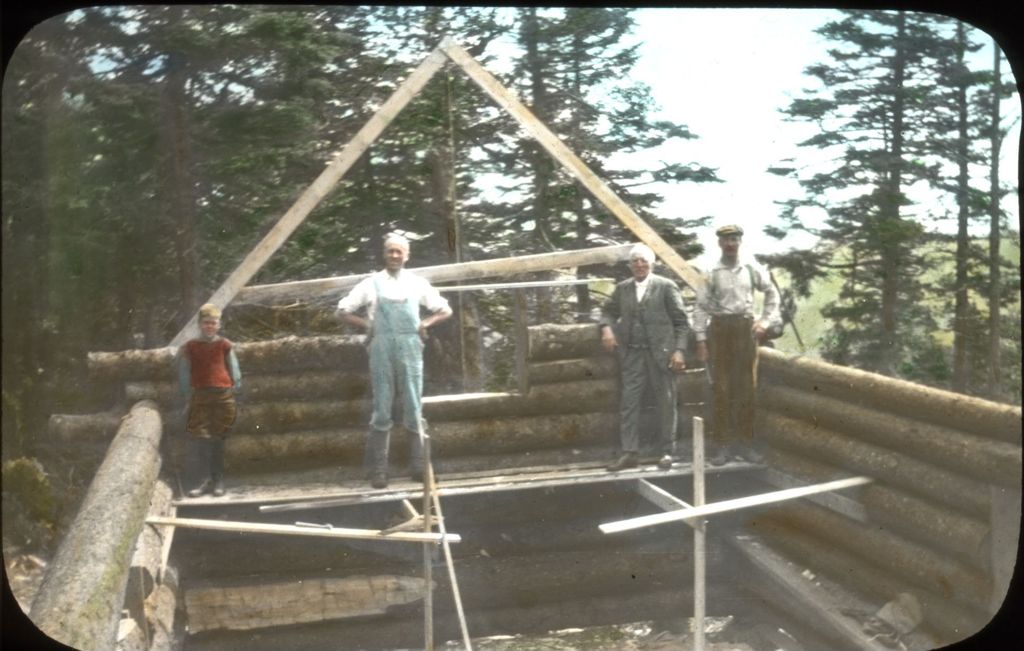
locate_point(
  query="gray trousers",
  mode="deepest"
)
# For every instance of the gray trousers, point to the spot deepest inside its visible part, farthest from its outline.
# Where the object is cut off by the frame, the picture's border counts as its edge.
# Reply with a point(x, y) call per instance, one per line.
point(641, 369)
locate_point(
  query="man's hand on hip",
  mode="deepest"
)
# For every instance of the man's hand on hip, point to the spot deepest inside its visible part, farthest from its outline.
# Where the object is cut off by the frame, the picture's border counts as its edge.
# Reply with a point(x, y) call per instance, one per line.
point(608, 340)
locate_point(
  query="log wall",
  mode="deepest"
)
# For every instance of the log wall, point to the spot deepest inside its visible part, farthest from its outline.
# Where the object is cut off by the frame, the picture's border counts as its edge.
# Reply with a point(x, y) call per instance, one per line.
point(937, 459)
point(931, 524)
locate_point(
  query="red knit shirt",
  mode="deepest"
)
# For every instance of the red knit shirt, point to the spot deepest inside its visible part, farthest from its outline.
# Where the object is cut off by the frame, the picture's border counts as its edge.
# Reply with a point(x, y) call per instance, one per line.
point(208, 363)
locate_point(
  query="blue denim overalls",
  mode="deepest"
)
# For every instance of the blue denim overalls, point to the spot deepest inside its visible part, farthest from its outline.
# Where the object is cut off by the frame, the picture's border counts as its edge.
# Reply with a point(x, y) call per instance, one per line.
point(396, 366)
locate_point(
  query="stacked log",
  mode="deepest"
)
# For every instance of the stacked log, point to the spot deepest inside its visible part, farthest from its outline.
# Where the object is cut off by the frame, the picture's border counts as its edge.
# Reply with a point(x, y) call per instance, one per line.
point(936, 458)
point(79, 602)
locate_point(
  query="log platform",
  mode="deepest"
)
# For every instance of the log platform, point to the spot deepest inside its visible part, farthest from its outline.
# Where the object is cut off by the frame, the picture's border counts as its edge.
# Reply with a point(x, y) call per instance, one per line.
point(319, 489)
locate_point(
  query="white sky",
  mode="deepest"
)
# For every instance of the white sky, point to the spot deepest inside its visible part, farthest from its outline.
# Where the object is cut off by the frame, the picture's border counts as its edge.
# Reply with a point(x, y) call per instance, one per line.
point(725, 73)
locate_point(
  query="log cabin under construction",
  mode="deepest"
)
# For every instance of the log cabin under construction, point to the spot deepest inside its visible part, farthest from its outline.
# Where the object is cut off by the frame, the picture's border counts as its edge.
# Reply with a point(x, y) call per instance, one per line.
point(915, 550)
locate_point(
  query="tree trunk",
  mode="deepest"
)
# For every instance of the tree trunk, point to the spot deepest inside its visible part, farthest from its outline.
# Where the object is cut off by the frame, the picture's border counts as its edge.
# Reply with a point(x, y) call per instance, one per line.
point(178, 180)
point(893, 248)
point(79, 602)
point(960, 325)
point(995, 220)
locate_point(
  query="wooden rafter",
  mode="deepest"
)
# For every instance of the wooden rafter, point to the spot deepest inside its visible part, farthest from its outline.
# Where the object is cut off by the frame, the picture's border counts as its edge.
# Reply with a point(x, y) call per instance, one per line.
point(335, 171)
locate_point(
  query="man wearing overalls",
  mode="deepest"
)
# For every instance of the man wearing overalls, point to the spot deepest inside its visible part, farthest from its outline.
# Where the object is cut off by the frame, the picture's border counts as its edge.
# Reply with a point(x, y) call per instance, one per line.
point(392, 298)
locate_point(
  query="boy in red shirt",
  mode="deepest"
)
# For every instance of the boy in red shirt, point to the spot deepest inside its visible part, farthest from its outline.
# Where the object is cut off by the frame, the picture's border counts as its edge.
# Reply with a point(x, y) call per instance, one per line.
point(209, 375)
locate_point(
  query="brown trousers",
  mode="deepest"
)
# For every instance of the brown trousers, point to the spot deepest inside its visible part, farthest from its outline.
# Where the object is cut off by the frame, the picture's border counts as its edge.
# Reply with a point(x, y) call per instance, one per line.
point(211, 412)
point(733, 356)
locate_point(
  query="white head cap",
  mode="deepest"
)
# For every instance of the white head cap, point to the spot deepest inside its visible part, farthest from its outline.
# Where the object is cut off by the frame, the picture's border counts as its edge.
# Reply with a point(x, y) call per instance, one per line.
point(641, 251)
point(395, 238)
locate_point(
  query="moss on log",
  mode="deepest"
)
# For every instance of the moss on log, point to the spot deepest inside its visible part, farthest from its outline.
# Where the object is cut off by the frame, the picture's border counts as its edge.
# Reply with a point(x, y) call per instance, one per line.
point(911, 516)
point(554, 341)
point(879, 392)
point(261, 388)
point(79, 602)
point(886, 466)
point(961, 452)
point(273, 356)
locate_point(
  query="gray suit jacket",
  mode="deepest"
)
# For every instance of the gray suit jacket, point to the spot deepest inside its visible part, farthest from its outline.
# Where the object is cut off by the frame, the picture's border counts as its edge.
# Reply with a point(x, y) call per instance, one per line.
point(661, 310)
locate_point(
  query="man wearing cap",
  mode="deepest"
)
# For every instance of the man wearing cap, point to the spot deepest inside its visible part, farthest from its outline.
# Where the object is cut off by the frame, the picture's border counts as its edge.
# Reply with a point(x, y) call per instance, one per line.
point(392, 298)
point(728, 335)
point(645, 324)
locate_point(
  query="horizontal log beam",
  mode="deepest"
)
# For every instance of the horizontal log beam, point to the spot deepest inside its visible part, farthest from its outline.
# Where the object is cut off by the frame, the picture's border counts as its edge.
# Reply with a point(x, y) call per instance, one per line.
point(261, 388)
point(956, 450)
point(554, 341)
point(909, 515)
point(916, 563)
point(947, 620)
point(331, 289)
point(571, 370)
point(879, 392)
point(285, 603)
point(334, 352)
point(80, 599)
point(888, 467)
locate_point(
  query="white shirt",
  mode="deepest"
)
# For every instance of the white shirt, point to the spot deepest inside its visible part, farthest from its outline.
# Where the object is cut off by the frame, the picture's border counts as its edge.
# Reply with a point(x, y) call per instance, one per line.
point(404, 285)
point(641, 287)
point(728, 290)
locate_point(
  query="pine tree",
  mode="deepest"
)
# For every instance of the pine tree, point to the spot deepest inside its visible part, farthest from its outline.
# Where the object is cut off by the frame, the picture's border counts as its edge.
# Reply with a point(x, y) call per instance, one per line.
point(871, 109)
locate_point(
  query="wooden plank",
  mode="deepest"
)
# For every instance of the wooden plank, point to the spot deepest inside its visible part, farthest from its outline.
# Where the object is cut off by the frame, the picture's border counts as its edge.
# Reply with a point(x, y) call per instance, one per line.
point(481, 486)
point(731, 505)
point(838, 503)
point(572, 163)
point(326, 288)
point(659, 496)
point(317, 190)
point(524, 285)
point(322, 531)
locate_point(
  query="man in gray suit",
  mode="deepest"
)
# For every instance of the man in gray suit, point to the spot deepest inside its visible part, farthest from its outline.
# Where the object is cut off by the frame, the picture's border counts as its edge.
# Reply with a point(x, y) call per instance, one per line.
point(644, 323)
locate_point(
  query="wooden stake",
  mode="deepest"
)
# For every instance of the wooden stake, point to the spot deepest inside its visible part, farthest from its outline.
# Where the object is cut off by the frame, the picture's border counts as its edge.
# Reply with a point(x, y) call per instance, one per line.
point(699, 535)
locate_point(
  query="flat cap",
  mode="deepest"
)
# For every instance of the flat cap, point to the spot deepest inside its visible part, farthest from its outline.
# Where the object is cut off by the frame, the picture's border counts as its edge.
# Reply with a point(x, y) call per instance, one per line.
point(731, 229)
point(209, 311)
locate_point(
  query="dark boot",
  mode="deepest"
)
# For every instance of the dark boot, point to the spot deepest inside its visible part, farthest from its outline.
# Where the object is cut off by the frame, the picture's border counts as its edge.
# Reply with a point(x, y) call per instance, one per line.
point(416, 472)
point(217, 465)
point(376, 457)
point(198, 455)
